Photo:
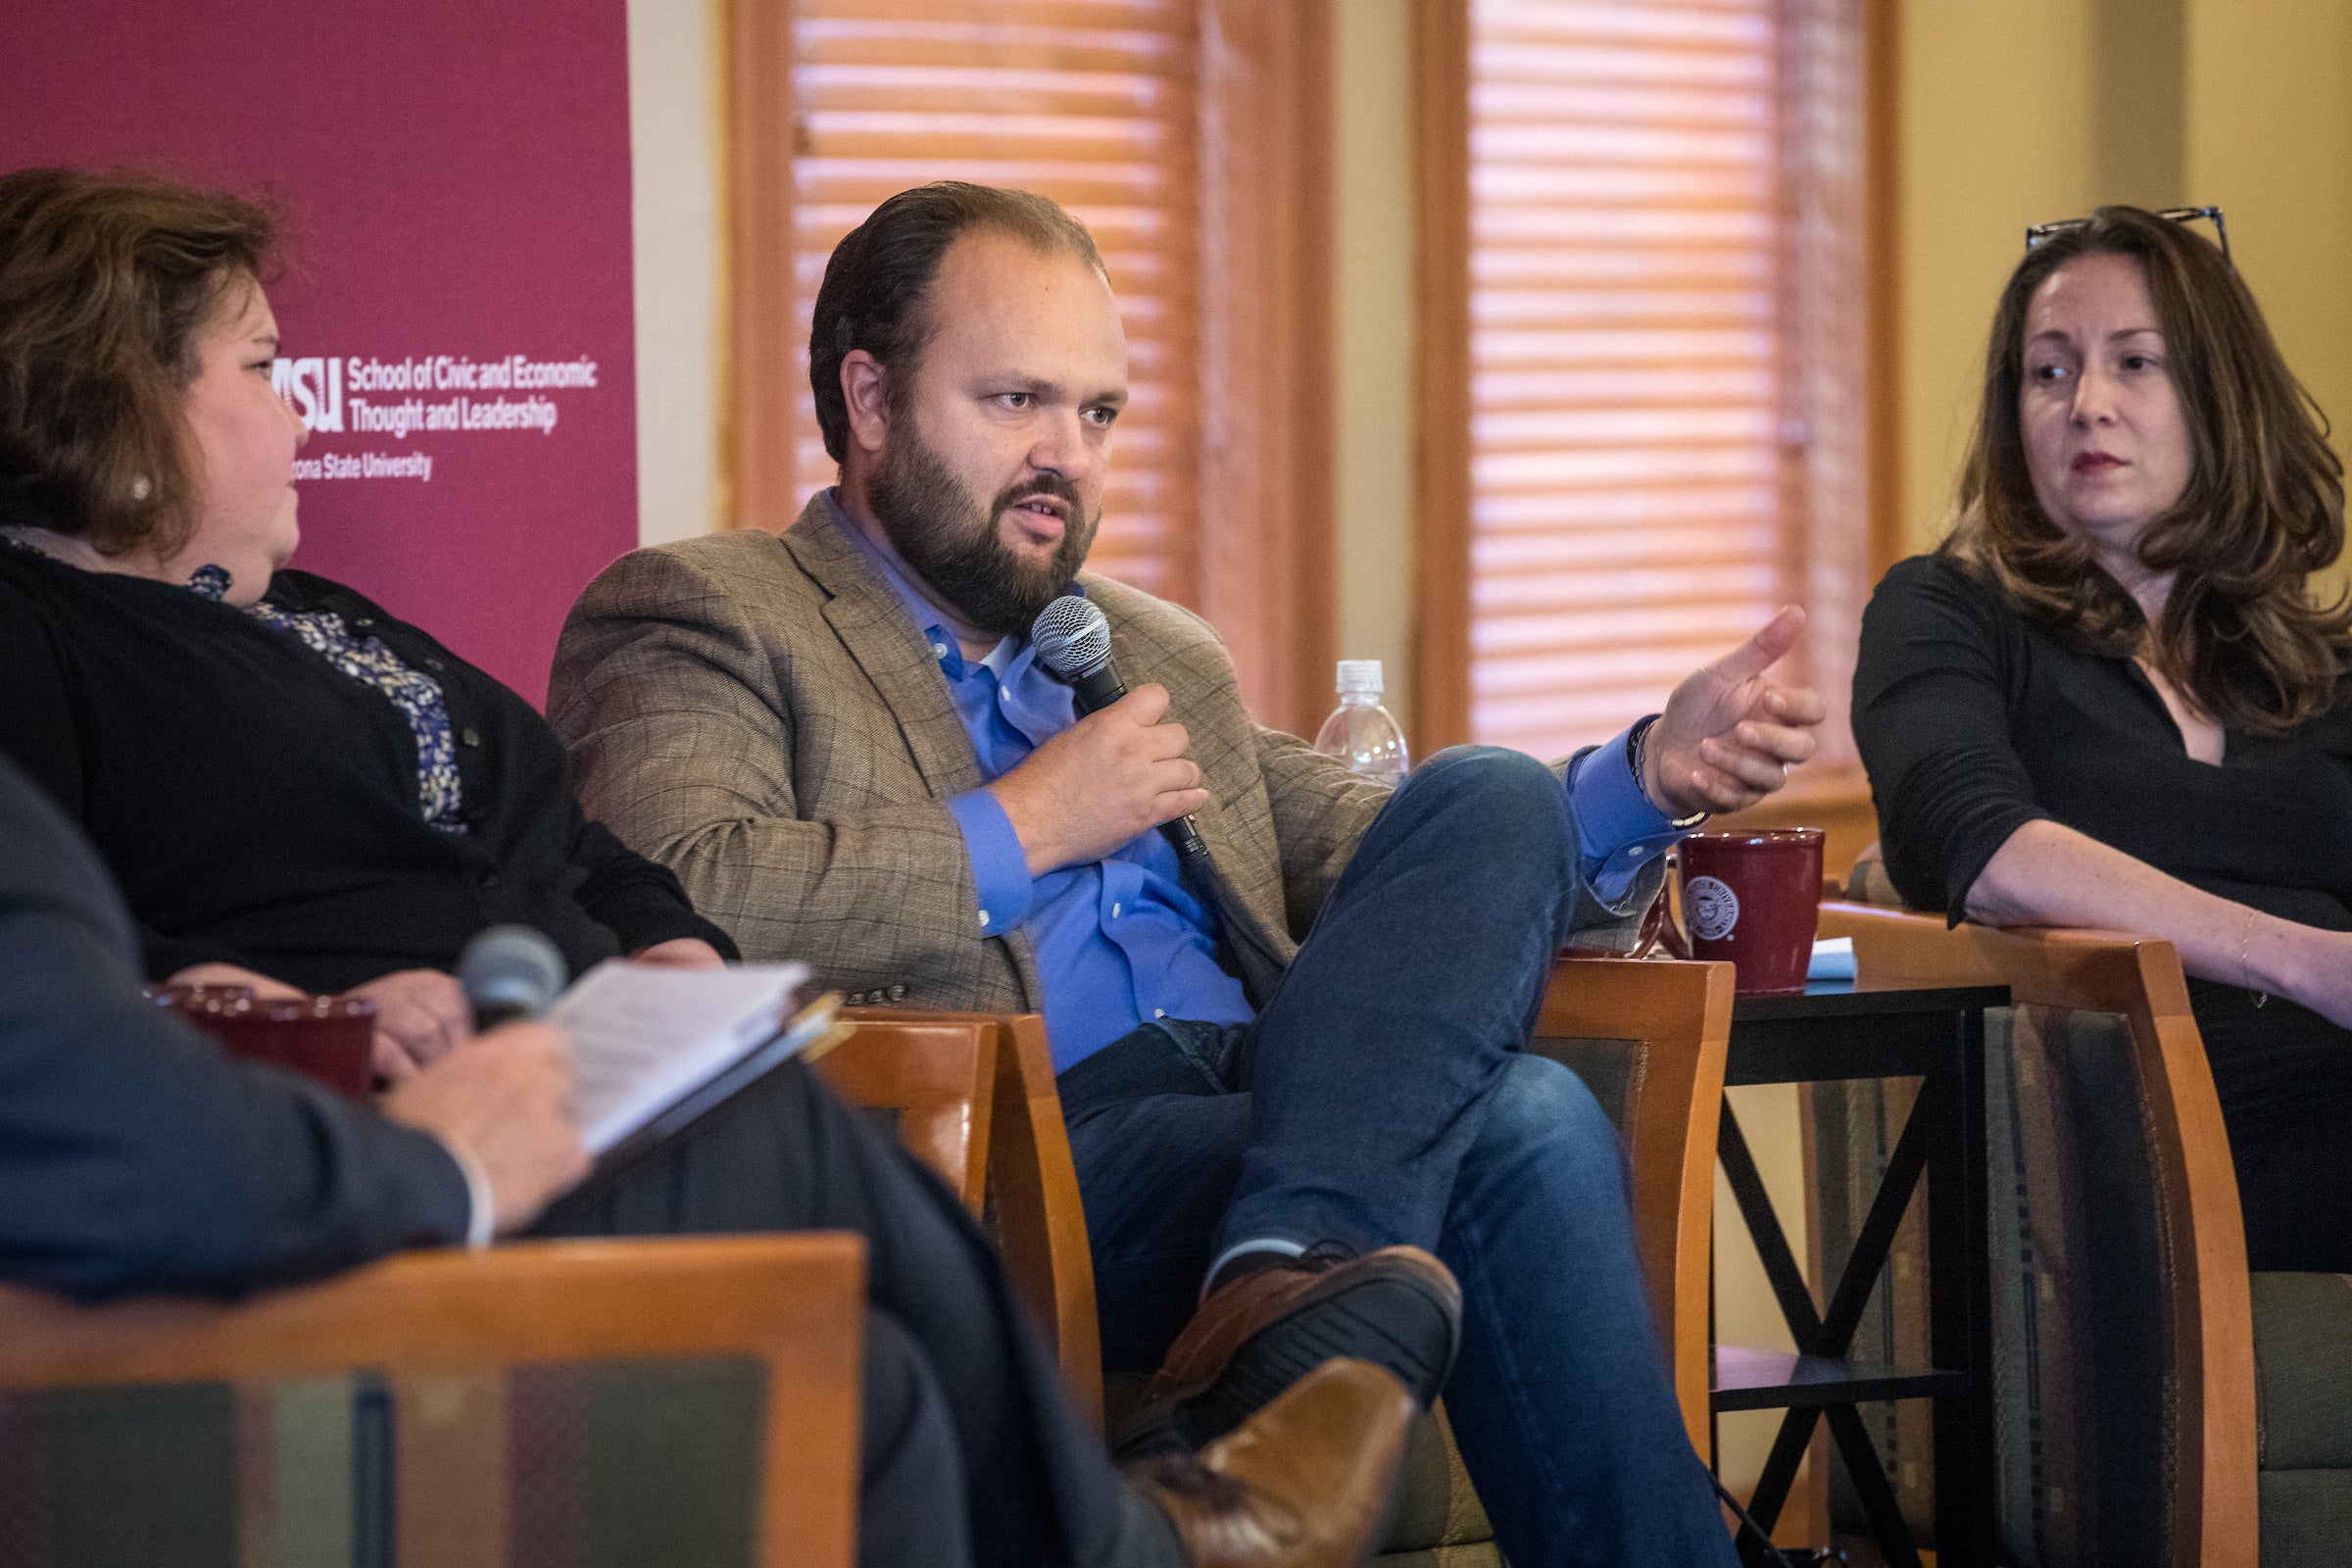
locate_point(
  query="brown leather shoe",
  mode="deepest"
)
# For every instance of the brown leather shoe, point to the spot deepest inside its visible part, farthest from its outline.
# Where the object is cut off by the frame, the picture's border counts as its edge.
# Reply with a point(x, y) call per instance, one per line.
point(1303, 1484)
point(1398, 1308)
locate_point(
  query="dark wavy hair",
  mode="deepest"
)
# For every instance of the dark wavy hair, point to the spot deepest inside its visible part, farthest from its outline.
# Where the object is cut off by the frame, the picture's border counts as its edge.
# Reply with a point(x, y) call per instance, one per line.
point(877, 285)
point(2241, 634)
point(105, 281)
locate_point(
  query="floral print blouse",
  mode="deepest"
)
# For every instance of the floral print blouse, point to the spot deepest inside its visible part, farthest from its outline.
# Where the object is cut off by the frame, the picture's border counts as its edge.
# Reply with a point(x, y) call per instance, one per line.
point(369, 662)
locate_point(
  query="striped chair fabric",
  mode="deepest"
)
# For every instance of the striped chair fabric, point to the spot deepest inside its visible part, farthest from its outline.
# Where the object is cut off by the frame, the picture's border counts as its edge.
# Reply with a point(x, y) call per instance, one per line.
point(603, 1464)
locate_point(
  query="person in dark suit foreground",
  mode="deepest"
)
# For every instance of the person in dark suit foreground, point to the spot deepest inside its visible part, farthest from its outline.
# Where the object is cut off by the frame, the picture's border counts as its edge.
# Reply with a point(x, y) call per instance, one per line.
point(217, 740)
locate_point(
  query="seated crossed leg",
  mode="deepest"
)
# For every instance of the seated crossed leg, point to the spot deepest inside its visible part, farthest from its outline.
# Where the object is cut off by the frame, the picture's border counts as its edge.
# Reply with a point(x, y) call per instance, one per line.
point(1381, 1110)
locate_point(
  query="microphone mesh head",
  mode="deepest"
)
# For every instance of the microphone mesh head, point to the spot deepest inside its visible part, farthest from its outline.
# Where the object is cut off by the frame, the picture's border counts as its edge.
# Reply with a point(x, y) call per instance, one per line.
point(514, 966)
point(1071, 637)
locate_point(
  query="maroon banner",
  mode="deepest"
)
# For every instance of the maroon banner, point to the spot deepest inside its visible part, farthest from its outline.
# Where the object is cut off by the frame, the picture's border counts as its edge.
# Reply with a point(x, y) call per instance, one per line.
point(457, 310)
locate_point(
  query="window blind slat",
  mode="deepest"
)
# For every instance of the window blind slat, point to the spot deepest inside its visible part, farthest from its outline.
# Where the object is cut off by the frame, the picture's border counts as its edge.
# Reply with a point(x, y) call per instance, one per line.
point(1604, 628)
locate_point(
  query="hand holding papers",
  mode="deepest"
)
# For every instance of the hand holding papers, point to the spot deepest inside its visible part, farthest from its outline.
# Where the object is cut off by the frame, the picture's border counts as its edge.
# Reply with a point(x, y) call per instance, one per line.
point(653, 1047)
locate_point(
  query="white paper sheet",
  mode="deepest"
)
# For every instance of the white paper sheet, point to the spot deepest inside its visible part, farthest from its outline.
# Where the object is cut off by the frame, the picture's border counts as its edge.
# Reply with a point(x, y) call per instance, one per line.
point(641, 1038)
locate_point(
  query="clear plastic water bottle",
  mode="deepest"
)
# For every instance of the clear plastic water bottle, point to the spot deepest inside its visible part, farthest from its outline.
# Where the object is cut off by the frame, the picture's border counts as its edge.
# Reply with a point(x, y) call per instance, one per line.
point(1360, 732)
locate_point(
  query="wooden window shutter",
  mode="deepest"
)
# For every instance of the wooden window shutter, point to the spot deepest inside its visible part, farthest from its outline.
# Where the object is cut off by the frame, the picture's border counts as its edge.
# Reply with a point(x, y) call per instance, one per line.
point(1663, 365)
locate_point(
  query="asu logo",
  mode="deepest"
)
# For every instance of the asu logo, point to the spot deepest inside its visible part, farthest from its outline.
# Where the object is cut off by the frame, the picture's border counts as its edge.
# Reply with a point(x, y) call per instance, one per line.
point(313, 389)
point(1713, 908)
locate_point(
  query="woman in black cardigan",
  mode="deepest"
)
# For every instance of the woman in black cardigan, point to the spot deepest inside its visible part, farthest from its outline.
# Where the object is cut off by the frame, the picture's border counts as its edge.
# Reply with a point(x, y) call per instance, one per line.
point(295, 789)
point(2110, 698)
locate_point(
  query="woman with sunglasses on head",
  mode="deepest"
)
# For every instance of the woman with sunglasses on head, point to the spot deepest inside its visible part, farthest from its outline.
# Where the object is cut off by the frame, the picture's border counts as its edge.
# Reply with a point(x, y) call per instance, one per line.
point(2111, 698)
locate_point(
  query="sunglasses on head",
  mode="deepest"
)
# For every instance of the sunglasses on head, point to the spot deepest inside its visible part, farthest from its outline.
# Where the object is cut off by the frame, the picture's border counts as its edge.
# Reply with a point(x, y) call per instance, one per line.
point(2178, 214)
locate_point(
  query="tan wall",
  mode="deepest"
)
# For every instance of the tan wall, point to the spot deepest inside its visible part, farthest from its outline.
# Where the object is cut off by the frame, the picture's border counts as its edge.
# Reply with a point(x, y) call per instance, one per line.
point(2003, 123)
point(1996, 134)
point(2017, 111)
point(2270, 141)
point(676, 158)
point(1372, 339)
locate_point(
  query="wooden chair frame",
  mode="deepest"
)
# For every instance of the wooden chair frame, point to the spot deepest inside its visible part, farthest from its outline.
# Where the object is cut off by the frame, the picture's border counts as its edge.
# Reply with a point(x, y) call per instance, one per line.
point(1681, 1012)
point(795, 1302)
point(1038, 1214)
point(976, 1099)
point(2209, 1297)
point(939, 1074)
point(1018, 1172)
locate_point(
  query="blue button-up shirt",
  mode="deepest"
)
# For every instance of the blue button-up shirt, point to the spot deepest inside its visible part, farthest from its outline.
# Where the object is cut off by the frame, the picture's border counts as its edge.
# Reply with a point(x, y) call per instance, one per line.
point(1122, 940)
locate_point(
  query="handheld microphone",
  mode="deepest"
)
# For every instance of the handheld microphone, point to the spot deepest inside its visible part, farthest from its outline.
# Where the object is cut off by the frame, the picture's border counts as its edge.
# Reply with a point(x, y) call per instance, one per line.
point(509, 973)
point(1073, 643)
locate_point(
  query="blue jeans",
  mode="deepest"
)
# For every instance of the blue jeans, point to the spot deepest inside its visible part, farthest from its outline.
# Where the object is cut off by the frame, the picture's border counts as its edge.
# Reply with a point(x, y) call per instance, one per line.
point(1382, 1097)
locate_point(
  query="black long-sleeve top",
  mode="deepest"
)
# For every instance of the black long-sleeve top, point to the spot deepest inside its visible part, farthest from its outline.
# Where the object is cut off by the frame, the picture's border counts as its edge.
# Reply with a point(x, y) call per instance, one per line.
point(1972, 721)
point(135, 1154)
point(259, 808)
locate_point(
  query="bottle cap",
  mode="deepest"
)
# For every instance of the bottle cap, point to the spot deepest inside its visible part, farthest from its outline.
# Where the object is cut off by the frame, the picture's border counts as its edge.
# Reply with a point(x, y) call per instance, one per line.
point(1359, 676)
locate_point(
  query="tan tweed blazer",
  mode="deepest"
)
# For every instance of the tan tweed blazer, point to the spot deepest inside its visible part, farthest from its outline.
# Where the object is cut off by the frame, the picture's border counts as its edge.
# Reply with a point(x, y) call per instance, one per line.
point(760, 713)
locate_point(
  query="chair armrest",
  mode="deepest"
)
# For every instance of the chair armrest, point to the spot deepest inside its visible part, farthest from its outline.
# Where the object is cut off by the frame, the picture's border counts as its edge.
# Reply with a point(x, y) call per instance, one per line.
point(2210, 1307)
point(939, 1072)
point(1039, 1212)
point(1024, 1167)
point(795, 1302)
point(1679, 1015)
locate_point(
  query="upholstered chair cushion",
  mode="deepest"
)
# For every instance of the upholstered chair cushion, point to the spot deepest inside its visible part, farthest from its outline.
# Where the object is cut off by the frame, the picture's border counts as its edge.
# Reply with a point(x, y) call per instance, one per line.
point(566, 1466)
point(2082, 1446)
point(2303, 1371)
point(2078, 1341)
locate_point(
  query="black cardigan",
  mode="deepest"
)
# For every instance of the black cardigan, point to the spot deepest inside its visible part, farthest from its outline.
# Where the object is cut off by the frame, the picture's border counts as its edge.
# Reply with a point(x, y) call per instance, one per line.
point(1972, 721)
point(259, 808)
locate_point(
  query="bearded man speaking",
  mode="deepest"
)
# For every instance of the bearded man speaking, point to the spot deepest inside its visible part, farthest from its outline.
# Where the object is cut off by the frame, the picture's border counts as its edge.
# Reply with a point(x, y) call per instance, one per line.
point(1292, 1074)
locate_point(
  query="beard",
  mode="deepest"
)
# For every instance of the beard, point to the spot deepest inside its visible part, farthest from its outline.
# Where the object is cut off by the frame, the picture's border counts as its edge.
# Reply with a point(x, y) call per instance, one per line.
point(950, 541)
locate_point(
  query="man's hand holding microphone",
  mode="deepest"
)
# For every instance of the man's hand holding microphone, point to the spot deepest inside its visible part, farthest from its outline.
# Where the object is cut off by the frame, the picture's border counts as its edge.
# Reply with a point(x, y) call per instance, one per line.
point(1116, 774)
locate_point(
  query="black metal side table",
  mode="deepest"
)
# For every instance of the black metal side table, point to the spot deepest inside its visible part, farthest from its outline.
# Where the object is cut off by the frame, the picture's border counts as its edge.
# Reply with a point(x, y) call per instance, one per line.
point(1838, 1029)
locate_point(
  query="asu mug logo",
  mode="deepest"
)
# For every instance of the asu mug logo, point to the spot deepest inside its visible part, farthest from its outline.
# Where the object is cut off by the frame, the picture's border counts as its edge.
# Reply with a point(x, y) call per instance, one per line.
point(1714, 908)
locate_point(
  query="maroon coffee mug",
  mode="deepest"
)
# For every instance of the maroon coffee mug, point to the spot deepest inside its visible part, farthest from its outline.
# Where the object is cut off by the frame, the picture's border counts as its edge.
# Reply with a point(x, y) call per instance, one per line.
point(328, 1039)
point(1755, 899)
